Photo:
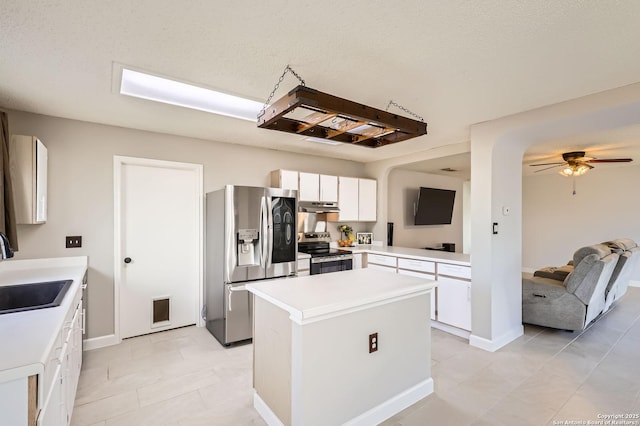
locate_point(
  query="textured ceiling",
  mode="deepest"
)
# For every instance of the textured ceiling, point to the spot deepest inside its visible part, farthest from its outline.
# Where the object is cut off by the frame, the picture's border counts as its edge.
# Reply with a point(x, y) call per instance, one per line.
point(455, 63)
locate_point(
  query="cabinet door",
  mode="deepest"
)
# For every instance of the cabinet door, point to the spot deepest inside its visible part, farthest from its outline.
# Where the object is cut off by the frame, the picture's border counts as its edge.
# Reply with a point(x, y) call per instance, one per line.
point(329, 188)
point(41, 182)
point(309, 187)
point(426, 277)
point(53, 411)
point(285, 179)
point(357, 261)
point(367, 200)
point(348, 198)
point(454, 302)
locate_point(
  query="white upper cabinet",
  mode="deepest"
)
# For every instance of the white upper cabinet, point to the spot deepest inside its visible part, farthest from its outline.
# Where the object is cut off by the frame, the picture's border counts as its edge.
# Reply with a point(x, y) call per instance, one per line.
point(285, 179)
point(28, 164)
point(367, 200)
point(348, 198)
point(309, 187)
point(357, 198)
point(328, 188)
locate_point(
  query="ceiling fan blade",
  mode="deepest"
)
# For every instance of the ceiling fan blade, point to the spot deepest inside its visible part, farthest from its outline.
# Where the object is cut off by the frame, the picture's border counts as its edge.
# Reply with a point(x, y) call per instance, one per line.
point(548, 164)
point(611, 160)
point(547, 168)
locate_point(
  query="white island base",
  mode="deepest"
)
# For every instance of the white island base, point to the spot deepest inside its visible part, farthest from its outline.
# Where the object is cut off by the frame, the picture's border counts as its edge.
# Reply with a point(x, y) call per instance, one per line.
point(312, 364)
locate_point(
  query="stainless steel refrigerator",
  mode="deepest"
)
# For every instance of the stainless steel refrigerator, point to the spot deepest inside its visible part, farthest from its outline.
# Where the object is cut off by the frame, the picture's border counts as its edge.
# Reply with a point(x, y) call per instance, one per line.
point(250, 235)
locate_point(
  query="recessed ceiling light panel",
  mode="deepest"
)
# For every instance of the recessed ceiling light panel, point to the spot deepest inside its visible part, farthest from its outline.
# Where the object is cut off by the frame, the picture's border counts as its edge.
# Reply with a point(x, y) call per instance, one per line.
point(159, 89)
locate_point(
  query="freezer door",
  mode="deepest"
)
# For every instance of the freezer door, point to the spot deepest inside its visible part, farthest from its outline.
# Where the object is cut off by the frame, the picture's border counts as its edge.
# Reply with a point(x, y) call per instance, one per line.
point(238, 313)
point(244, 238)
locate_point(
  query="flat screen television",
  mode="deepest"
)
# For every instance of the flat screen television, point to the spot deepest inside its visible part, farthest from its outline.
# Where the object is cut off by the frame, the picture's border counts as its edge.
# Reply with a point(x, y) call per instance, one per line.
point(434, 207)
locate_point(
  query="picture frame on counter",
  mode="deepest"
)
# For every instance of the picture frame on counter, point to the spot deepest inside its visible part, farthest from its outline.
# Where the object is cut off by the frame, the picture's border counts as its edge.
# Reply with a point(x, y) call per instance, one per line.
point(364, 237)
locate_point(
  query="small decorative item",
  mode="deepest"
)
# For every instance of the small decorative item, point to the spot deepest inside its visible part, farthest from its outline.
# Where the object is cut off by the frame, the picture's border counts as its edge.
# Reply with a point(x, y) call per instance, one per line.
point(365, 237)
point(347, 231)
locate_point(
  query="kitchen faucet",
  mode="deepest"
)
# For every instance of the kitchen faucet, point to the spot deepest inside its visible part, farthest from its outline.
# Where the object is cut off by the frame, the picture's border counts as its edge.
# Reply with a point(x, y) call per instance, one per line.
point(5, 249)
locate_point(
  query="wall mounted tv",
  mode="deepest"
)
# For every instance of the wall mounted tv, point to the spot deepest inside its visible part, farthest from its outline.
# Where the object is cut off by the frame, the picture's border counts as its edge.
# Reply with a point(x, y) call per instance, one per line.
point(434, 206)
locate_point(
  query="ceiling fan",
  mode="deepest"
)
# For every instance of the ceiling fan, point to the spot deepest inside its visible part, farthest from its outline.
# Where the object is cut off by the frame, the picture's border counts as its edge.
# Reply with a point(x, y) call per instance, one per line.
point(576, 164)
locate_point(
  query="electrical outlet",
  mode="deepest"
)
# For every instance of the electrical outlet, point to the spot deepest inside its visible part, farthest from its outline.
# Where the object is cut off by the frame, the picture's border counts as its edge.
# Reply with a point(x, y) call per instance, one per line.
point(373, 342)
point(72, 242)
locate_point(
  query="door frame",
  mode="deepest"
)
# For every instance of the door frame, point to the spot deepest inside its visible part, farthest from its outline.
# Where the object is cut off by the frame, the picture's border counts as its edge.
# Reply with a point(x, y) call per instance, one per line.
point(118, 163)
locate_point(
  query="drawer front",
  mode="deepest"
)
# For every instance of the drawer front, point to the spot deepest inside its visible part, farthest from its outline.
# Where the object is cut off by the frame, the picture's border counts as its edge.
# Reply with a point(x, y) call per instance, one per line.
point(417, 265)
point(457, 271)
point(381, 268)
point(382, 260)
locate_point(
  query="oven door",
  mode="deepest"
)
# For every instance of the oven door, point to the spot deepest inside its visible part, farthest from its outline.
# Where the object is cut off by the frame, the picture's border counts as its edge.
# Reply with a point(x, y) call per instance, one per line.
point(325, 265)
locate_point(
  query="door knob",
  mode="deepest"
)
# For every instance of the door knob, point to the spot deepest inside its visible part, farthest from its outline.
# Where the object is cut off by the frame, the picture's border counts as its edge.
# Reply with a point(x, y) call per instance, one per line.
point(127, 260)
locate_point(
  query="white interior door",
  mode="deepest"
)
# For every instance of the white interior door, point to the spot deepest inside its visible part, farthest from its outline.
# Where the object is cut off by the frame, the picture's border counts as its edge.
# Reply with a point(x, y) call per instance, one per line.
point(158, 244)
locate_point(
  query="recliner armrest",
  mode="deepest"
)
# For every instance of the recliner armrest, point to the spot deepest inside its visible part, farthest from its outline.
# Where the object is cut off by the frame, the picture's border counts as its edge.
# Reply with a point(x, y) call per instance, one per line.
point(539, 287)
point(554, 272)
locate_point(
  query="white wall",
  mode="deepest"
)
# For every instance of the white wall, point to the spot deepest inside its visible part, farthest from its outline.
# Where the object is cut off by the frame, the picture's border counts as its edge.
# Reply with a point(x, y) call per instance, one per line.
point(403, 189)
point(81, 189)
point(556, 223)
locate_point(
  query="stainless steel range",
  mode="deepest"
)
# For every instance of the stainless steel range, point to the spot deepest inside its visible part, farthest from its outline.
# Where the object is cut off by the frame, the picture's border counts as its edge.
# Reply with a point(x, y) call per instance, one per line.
point(324, 259)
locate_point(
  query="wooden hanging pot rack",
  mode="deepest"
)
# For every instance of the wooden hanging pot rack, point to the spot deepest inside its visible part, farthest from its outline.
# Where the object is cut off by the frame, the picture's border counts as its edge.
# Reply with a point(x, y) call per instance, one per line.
point(309, 112)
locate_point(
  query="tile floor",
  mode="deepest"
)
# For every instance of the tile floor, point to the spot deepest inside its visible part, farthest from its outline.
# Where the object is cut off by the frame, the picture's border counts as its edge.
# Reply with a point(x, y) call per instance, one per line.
point(184, 377)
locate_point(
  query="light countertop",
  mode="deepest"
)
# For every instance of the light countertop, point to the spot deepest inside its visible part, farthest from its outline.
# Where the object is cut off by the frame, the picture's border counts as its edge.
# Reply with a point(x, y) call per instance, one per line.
point(318, 297)
point(28, 337)
point(415, 253)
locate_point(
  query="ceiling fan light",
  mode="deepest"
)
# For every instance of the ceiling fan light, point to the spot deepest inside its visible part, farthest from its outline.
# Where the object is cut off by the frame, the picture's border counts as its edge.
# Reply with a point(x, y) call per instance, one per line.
point(575, 169)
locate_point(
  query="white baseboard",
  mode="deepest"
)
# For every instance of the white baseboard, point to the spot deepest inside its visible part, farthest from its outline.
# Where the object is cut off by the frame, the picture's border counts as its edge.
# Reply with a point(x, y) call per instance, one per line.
point(634, 283)
point(495, 344)
point(100, 342)
point(265, 412)
point(374, 416)
point(394, 405)
point(451, 329)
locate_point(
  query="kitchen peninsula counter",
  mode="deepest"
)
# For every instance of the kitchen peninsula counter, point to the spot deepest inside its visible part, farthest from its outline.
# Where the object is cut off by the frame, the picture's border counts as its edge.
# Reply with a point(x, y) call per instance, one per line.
point(415, 253)
point(312, 344)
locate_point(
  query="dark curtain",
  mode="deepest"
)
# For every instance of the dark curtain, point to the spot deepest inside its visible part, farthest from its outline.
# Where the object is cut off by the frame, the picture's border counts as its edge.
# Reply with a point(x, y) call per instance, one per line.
point(7, 210)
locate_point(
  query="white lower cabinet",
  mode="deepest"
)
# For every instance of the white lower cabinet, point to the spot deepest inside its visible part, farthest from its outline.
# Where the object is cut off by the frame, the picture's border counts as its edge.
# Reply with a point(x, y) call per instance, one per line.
point(454, 302)
point(61, 383)
point(434, 308)
point(357, 260)
point(450, 301)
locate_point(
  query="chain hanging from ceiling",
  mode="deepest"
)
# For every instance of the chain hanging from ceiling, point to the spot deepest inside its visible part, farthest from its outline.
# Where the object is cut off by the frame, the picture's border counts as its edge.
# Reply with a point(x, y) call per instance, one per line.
point(287, 69)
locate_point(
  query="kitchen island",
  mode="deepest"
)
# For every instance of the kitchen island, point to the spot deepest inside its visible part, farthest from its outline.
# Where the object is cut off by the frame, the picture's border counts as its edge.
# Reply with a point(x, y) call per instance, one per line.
point(349, 348)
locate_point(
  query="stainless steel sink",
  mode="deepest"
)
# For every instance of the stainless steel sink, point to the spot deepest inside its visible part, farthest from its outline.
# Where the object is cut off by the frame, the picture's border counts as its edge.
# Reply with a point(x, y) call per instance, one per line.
point(26, 297)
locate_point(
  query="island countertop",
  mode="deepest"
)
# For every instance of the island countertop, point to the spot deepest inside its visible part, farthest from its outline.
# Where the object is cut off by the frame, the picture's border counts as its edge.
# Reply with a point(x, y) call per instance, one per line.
point(318, 297)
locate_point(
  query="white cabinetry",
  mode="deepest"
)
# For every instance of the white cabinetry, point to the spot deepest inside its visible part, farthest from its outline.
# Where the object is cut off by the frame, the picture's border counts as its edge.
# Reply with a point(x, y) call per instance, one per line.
point(309, 187)
point(348, 198)
point(29, 175)
point(285, 179)
point(62, 372)
point(454, 302)
point(454, 295)
point(304, 267)
point(450, 301)
point(328, 188)
point(367, 200)
point(357, 260)
point(357, 199)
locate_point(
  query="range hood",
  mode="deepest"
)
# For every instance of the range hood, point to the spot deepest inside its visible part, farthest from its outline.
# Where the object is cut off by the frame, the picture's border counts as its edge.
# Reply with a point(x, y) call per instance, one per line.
point(318, 207)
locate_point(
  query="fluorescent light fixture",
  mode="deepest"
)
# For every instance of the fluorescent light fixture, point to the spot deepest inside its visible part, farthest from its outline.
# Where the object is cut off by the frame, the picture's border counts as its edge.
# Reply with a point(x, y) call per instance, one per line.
point(159, 89)
point(325, 141)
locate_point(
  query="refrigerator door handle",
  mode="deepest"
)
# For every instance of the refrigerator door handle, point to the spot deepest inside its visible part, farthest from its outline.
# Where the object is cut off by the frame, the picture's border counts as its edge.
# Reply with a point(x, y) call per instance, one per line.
point(269, 234)
point(231, 290)
point(264, 231)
